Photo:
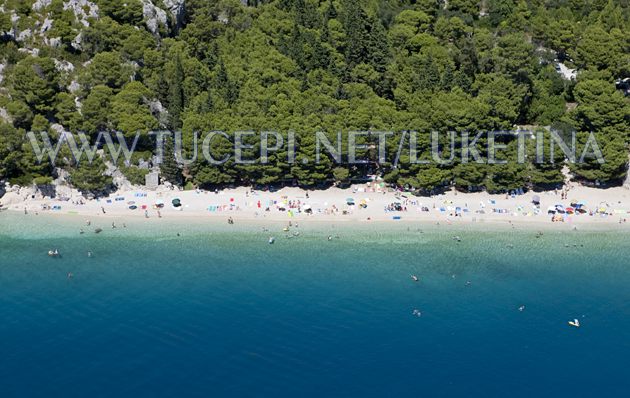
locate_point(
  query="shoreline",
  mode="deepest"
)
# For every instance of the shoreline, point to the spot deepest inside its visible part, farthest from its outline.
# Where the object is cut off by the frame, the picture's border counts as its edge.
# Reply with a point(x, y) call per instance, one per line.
point(604, 209)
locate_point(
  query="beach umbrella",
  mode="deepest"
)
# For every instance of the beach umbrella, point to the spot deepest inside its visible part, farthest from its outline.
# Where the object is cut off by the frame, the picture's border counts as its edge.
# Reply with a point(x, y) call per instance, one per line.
point(569, 210)
point(176, 202)
point(536, 199)
point(350, 201)
point(551, 209)
point(133, 207)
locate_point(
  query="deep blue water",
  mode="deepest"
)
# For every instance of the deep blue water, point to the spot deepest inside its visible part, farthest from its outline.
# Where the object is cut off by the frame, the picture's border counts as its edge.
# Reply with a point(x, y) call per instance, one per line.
point(218, 314)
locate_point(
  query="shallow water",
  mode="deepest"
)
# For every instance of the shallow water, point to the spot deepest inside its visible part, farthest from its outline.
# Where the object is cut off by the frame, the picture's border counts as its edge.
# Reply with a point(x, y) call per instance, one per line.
point(220, 312)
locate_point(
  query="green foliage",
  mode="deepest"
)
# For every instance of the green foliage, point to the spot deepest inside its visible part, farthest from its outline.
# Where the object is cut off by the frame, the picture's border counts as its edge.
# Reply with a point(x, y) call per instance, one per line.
point(134, 174)
point(106, 69)
point(169, 169)
point(122, 11)
point(130, 111)
point(35, 82)
point(10, 145)
point(335, 65)
point(90, 178)
point(96, 109)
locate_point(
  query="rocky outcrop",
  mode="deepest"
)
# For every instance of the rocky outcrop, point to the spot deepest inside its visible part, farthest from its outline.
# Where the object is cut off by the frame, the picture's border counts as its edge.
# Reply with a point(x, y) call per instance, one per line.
point(23, 35)
point(41, 4)
point(63, 66)
point(4, 115)
point(177, 10)
point(153, 16)
point(82, 9)
point(74, 86)
point(76, 42)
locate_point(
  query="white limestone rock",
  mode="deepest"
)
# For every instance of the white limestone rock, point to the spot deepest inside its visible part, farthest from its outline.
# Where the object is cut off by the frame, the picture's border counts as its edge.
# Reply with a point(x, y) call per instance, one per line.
point(63, 66)
point(177, 9)
point(153, 16)
point(82, 9)
point(74, 87)
point(76, 42)
point(40, 4)
point(23, 35)
point(4, 115)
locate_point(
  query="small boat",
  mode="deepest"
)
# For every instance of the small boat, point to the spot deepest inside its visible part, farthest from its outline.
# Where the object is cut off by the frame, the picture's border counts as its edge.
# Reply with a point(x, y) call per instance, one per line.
point(574, 323)
point(271, 240)
point(415, 278)
point(53, 253)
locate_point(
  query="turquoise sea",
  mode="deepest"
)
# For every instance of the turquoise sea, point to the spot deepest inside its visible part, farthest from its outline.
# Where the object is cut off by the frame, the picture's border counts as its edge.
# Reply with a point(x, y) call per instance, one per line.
point(219, 312)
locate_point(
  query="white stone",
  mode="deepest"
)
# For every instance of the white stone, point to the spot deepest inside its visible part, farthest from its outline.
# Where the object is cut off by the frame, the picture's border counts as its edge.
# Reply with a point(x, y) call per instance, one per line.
point(82, 9)
point(177, 8)
point(4, 115)
point(47, 24)
point(74, 86)
point(54, 42)
point(78, 104)
point(568, 74)
point(154, 16)
point(23, 35)
point(63, 66)
point(40, 4)
point(76, 42)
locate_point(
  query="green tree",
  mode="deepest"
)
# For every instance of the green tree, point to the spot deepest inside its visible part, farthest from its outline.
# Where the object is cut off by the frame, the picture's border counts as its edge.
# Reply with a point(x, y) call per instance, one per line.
point(89, 177)
point(176, 94)
point(35, 82)
point(169, 169)
point(108, 69)
point(96, 109)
